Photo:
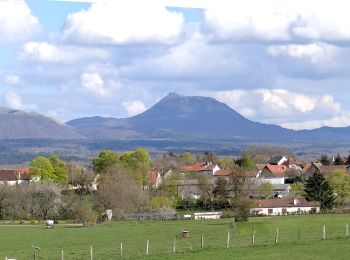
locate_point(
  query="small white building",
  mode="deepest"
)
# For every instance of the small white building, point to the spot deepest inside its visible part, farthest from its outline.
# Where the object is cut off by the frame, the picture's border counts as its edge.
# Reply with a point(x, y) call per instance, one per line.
point(277, 207)
point(207, 215)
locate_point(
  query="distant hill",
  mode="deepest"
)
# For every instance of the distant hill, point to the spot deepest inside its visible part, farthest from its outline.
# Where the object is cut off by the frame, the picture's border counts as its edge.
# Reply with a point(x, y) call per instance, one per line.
point(16, 124)
point(180, 117)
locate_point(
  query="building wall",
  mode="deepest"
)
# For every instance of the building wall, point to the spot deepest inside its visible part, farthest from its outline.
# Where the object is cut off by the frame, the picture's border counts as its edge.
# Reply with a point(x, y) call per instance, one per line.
point(272, 180)
point(289, 210)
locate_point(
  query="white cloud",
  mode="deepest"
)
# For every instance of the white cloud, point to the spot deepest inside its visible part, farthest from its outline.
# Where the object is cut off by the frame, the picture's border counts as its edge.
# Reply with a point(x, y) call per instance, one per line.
point(13, 100)
point(275, 20)
point(320, 54)
point(13, 79)
point(283, 107)
point(93, 82)
point(194, 58)
point(50, 53)
point(134, 107)
point(122, 22)
point(16, 21)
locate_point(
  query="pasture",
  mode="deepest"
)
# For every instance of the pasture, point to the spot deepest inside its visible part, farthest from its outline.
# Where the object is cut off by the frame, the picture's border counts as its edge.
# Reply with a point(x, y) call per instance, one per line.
point(298, 237)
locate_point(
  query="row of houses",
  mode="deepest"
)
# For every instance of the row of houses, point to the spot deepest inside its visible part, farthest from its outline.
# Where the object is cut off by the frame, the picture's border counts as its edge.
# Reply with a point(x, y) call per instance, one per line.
point(277, 171)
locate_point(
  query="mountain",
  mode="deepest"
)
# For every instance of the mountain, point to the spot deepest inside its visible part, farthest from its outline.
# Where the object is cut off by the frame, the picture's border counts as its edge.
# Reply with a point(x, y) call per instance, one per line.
point(181, 117)
point(16, 124)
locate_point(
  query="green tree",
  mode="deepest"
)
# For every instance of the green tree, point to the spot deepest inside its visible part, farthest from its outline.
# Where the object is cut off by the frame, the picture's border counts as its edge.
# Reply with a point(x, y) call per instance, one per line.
point(221, 191)
point(41, 167)
point(338, 160)
point(317, 188)
point(245, 162)
point(325, 160)
point(187, 156)
point(340, 182)
point(105, 161)
point(60, 169)
point(265, 189)
point(138, 162)
point(297, 188)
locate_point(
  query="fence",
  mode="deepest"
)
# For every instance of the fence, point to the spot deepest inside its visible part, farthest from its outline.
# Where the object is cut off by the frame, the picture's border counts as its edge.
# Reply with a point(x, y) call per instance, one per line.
point(236, 236)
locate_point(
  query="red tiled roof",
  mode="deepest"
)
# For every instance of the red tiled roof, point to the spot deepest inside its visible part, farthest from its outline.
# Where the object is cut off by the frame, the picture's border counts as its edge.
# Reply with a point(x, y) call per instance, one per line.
point(223, 172)
point(287, 202)
point(277, 170)
point(14, 174)
point(197, 167)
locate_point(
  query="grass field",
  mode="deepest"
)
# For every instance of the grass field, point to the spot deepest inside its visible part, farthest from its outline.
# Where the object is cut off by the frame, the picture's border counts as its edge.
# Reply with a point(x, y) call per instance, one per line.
point(17, 241)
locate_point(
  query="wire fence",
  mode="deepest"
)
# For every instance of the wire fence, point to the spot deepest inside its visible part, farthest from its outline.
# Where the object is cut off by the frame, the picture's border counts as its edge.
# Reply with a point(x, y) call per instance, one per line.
point(235, 237)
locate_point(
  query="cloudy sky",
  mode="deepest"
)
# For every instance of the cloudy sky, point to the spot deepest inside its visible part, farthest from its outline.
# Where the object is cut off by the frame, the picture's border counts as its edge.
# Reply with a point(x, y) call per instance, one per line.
point(282, 62)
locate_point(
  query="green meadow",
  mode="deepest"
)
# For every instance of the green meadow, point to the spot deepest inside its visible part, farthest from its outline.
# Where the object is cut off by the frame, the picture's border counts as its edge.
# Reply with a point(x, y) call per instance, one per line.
point(299, 237)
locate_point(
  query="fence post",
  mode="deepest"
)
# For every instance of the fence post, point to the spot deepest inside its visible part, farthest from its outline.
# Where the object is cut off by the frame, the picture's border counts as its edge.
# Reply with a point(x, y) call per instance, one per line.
point(174, 245)
point(121, 249)
point(91, 253)
point(147, 247)
point(253, 238)
point(324, 232)
point(202, 241)
point(276, 238)
point(347, 230)
point(228, 240)
point(62, 255)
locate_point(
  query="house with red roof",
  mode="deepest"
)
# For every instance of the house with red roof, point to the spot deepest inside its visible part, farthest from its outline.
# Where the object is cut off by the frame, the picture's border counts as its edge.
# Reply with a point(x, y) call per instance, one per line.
point(14, 176)
point(156, 178)
point(200, 167)
point(276, 174)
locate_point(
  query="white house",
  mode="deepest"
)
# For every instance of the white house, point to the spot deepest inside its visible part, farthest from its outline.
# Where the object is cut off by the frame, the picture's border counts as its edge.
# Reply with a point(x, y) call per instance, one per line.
point(207, 215)
point(297, 205)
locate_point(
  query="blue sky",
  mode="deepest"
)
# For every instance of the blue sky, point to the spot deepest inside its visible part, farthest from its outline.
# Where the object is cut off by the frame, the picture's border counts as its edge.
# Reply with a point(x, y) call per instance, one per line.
point(283, 63)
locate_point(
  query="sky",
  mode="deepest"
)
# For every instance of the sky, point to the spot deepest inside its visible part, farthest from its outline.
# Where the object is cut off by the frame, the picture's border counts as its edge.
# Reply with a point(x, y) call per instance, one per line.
point(278, 62)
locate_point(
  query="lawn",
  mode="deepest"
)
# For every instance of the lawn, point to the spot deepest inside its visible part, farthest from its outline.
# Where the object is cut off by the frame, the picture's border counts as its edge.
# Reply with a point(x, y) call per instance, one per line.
point(299, 237)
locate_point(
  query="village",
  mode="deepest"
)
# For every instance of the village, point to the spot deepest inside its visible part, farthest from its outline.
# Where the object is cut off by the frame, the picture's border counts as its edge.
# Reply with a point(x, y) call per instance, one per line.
point(199, 187)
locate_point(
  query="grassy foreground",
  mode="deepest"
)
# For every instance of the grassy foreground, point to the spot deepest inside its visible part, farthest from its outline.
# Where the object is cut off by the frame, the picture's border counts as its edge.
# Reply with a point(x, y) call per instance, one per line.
point(300, 237)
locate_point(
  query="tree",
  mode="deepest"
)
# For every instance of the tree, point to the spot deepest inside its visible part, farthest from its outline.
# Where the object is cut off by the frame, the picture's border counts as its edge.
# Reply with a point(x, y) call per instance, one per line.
point(41, 167)
point(119, 192)
point(138, 162)
point(265, 189)
point(338, 160)
point(60, 169)
point(340, 182)
point(297, 188)
point(317, 188)
point(245, 162)
point(221, 191)
point(105, 161)
point(325, 160)
point(205, 186)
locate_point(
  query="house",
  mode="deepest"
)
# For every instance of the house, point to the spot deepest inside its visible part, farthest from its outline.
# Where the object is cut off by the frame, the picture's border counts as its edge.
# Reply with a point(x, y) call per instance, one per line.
point(200, 167)
point(190, 189)
point(277, 160)
point(207, 215)
point(247, 176)
point(156, 179)
point(273, 173)
point(14, 176)
point(296, 205)
point(325, 170)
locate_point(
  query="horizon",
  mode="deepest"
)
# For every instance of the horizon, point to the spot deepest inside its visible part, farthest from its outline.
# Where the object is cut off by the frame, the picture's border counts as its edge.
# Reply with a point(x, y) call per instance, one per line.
point(276, 63)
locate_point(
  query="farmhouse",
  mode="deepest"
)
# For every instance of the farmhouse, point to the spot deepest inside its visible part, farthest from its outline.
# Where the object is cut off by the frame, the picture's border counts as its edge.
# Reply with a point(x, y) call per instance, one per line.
point(207, 168)
point(296, 205)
